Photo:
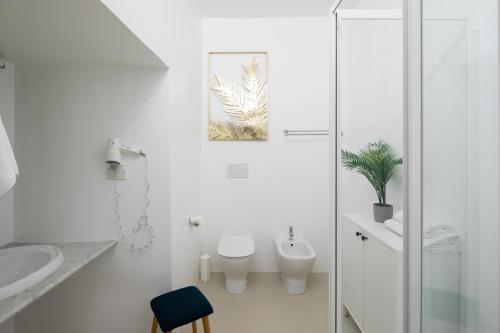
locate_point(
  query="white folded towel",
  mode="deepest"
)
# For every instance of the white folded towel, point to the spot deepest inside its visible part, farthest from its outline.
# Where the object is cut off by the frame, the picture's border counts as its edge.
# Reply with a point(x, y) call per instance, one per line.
point(436, 231)
point(445, 243)
point(398, 216)
point(8, 165)
point(394, 226)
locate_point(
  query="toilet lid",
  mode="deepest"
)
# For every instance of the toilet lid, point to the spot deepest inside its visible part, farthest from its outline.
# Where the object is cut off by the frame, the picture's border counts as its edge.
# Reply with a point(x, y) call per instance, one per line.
point(236, 246)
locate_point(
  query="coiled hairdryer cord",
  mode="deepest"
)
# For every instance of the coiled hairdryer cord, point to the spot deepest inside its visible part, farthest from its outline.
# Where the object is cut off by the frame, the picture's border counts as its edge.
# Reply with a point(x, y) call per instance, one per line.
point(142, 223)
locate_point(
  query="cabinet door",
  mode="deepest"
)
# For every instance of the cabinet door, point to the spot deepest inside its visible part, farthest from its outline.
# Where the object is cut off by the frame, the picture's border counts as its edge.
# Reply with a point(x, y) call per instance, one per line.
point(352, 271)
point(380, 288)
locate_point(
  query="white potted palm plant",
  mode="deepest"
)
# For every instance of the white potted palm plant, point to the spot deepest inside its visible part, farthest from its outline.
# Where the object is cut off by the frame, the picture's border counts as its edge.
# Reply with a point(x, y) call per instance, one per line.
point(377, 162)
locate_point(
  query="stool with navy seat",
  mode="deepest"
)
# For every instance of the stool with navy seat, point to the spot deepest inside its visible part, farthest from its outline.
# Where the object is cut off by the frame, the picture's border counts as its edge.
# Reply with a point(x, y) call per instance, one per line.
point(180, 307)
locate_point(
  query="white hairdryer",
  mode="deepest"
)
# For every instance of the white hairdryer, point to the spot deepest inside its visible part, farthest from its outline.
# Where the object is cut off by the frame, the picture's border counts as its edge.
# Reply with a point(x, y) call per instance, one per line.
point(115, 149)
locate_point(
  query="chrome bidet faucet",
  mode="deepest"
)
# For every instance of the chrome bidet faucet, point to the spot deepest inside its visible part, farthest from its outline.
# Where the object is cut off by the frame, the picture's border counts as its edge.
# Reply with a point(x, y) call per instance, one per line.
point(290, 234)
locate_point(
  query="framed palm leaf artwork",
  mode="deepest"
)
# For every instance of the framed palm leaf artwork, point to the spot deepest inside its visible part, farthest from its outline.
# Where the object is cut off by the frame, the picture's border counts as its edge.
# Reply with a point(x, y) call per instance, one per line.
point(238, 95)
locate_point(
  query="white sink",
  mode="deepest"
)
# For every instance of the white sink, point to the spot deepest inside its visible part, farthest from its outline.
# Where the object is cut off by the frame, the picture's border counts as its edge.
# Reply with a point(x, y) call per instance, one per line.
point(24, 266)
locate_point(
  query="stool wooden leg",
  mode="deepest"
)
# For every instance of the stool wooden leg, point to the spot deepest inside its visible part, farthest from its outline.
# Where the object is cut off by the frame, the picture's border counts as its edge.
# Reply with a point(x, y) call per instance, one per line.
point(206, 324)
point(154, 326)
point(195, 329)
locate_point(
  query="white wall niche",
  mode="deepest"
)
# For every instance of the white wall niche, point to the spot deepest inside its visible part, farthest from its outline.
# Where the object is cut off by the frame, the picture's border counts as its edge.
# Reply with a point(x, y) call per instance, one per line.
point(65, 32)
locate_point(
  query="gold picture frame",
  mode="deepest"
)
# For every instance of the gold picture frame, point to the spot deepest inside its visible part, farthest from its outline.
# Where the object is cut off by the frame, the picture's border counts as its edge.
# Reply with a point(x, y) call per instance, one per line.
point(238, 96)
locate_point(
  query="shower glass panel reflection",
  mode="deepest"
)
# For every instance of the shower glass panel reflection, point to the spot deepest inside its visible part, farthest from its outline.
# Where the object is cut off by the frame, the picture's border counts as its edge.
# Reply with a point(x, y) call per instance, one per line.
point(460, 264)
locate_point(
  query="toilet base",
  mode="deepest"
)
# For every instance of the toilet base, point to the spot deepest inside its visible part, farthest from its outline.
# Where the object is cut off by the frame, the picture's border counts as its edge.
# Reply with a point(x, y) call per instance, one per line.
point(235, 273)
point(236, 286)
point(294, 285)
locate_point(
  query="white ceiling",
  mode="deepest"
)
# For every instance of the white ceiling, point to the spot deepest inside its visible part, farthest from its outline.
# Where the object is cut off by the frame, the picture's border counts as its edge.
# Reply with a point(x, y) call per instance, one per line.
point(265, 8)
point(68, 32)
point(371, 4)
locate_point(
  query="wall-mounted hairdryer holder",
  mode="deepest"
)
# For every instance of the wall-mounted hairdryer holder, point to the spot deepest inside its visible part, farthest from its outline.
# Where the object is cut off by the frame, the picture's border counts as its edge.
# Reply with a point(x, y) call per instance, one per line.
point(117, 172)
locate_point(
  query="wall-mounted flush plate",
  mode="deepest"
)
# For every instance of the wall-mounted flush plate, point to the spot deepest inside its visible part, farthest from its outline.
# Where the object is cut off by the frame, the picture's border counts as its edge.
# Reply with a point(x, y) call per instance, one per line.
point(237, 170)
point(117, 173)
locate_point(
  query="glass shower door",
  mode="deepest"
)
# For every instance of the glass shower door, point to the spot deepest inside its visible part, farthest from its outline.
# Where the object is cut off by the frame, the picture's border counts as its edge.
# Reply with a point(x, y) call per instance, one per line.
point(460, 130)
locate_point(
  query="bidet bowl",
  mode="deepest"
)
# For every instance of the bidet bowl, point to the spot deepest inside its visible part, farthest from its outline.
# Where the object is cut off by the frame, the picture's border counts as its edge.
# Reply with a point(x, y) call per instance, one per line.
point(296, 259)
point(22, 267)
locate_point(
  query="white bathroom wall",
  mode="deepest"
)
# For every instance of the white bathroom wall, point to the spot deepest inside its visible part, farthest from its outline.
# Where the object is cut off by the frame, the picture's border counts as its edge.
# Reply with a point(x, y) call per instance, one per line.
point(488, 240)
point(370, 99)
point(264, 8)
point(288, 182)
point(65, 116)
point(7, 115)
point(8, 326)
point(173, 30)
point(183, 42)
point(372, 4)
point(445, 105)
point(149, 22)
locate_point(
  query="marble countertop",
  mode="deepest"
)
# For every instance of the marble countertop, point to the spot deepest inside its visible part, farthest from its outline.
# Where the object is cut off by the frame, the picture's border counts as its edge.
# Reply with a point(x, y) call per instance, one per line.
point(76, 256)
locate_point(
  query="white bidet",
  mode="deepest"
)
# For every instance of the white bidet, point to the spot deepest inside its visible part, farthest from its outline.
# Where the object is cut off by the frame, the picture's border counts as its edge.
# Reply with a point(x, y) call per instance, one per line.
point(296, 259)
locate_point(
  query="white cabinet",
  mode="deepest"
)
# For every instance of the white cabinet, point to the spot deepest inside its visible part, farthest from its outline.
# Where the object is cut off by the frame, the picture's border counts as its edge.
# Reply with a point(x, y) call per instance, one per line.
point(352, 271)
point(372, 274)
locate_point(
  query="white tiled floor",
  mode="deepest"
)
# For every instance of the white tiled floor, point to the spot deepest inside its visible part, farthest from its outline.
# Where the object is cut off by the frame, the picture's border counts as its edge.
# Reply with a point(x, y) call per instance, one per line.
point(266, 307)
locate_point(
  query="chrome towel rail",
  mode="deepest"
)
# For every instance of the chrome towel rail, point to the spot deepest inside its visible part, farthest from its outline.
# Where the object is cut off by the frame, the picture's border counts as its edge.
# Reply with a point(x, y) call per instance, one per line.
point(288, 132)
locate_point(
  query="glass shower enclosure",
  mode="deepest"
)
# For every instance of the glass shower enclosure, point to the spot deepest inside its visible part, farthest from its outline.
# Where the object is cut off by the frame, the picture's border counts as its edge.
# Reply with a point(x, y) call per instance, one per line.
point(460, 232)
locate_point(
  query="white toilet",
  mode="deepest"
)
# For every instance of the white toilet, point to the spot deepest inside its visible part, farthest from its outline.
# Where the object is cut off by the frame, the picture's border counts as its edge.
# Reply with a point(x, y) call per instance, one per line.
point(235, 255)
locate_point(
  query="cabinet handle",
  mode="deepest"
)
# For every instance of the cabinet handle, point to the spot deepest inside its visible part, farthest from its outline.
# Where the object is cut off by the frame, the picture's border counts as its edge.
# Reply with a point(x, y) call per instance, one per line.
point(363, 238)
point(358, 234)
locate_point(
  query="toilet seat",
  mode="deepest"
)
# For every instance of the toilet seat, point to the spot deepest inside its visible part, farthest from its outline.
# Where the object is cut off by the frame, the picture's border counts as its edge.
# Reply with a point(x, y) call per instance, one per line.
point(236, 247)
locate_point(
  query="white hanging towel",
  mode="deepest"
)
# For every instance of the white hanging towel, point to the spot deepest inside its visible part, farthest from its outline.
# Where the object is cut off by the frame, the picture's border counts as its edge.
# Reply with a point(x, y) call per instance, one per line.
point(8, 165)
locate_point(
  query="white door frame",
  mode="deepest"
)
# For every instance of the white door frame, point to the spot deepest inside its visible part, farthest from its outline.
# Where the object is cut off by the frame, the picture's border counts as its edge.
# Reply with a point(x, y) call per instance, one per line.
point(412, 136)
point(413, 164)
point(334, 300)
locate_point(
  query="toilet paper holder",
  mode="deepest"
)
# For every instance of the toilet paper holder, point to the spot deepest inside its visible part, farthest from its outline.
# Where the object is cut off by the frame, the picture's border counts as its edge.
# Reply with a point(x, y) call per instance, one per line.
point(195, 221)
